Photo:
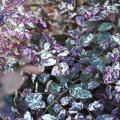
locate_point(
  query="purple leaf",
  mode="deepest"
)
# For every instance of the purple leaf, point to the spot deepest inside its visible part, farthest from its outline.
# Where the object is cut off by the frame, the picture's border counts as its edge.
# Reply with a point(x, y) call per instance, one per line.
point(80, 20)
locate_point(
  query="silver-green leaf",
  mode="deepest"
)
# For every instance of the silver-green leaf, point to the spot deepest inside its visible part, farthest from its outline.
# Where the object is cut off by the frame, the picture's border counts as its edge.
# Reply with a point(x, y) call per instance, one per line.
point(105, 26)
point(77, 92)
point(104, 117)
point(54, 88)
point(34, 101)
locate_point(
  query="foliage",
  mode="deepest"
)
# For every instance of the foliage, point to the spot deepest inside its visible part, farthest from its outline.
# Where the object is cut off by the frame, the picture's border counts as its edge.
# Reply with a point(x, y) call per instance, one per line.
point(76, 46)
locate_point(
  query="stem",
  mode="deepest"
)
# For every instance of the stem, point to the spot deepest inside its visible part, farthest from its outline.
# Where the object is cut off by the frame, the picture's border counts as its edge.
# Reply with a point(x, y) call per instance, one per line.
point(90, 113)
point(60, 96)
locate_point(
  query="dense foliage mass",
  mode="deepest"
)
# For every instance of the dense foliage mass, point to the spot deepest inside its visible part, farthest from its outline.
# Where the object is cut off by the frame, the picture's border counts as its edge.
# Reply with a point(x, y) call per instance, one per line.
point(76, 44)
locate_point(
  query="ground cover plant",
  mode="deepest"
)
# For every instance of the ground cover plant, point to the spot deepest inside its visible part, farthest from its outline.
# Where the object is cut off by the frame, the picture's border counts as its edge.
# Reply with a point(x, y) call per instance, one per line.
point(60, 60)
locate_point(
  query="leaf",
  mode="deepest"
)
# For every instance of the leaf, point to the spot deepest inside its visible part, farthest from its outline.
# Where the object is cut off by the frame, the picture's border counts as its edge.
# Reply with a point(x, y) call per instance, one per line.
point(116, 38)
point(63, 78)
point(86, 39)
point(73, 33)
point(84, 61)
point(98, 51)
point(62, 115)
point(34, 101)
point(69, 43)
point(48, 116)
point(1, 18)
point(103, 36)
point(50, 98)
point(96, 18)
point(86, 77)
point(98, 63)
point(54, 88)
point(45, 54)
point(48, 62)
point(95, 106)
point(104, 117)
point(89, 85)
point(80, 20)
point(60, 70)
point(77, 92)
point(27, 116)
point(76, 106)
point(57, 108)
point(105, 26)
point(66, 100)
point(43, 77)
point(88, 26)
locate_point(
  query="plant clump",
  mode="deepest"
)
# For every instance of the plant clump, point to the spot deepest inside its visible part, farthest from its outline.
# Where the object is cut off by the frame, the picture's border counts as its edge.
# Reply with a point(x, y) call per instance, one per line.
point(61, 58)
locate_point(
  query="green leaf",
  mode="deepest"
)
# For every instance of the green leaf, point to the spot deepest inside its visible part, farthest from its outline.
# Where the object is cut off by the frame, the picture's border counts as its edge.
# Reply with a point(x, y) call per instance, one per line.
point(104, 117)
point(105, 26)
point(54, 88)
point(98, 63)
point(43, 77)
point(103, 36)
point(48, 116)
point(89, 25)
point(77, 92)
point(63, 78)
point(34, 101)
point(89, 85)
point(116, 38)
point(74, 75)
point(97, 51)
point(86, 77)
point(69, 43)
point(86, 39)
